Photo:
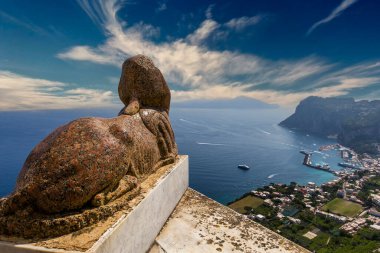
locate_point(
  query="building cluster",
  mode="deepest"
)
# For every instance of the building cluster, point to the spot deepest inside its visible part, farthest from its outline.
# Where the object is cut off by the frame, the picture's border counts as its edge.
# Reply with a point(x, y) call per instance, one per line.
point(376, 199)
point(274, 198)
point(371, 164)
point(353, 226)
point(374, 219)
point(332, 216)
point(369, 217)
point(313, 196)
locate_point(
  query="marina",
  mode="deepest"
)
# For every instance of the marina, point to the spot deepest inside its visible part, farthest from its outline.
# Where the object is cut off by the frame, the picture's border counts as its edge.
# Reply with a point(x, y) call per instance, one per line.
point(307, 162)
point(351, 161)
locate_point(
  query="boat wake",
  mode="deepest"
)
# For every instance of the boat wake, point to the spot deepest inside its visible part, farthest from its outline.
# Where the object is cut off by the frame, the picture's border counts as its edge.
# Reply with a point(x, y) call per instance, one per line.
point(289, 145)
point(273, 175)
point(211, 144)
point(264, 132)
point(190, 122)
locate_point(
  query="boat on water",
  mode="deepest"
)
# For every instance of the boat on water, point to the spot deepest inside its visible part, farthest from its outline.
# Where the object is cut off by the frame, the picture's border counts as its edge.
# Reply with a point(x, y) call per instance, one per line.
point(243, 166)
point(348, 165)
point(324, 166)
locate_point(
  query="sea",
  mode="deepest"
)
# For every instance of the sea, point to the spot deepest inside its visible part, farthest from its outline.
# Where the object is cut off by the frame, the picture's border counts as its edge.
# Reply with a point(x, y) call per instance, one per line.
point(216, 140)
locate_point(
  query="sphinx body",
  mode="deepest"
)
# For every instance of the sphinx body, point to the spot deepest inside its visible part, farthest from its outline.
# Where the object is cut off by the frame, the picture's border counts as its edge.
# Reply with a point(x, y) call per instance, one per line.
point(85, 159)
point(90, 162)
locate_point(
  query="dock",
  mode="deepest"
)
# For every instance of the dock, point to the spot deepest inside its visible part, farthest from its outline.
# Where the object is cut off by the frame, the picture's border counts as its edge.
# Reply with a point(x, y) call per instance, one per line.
point(307, 162)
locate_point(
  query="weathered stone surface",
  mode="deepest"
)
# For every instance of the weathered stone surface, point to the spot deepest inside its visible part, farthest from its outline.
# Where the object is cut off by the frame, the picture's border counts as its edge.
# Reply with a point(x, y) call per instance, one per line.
point(199, 224)
point(70, 179)
point(142, 85)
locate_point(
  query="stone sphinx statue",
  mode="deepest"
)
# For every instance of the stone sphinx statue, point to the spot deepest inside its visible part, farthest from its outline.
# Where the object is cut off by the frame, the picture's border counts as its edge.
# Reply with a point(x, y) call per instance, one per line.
point(72, 178)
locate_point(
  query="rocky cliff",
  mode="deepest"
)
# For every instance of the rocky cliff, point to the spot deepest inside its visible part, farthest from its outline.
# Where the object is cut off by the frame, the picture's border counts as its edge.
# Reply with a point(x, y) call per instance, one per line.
point(356, 124)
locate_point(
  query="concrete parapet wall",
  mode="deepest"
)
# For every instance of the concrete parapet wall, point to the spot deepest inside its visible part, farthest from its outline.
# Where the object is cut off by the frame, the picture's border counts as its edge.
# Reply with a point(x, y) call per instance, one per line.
point(136, 232)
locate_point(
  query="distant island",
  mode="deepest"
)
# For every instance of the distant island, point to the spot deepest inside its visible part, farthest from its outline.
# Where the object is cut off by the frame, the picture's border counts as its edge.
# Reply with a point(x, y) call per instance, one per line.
point(235, 103)
point(355, 124)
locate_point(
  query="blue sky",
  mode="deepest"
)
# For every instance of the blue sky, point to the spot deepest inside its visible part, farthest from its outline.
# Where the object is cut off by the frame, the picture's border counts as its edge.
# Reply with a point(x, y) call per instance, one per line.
point(68, 54)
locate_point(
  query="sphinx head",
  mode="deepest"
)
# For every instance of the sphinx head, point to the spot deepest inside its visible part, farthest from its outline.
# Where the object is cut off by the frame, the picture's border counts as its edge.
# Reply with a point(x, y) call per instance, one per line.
point(142, 86)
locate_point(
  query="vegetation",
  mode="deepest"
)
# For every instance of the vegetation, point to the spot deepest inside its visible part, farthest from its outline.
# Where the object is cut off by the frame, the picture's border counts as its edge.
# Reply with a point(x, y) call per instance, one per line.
point(375, 181)
point(368, 188)
point(360, 242)
point(332, 190)
point(245, 204)
point(343, 207)
point(268, 211)
point(329, 236)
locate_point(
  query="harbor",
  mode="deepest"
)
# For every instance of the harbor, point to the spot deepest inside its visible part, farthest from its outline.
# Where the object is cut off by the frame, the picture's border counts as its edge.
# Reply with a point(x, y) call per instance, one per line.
point(350, 158)
point(308, 162)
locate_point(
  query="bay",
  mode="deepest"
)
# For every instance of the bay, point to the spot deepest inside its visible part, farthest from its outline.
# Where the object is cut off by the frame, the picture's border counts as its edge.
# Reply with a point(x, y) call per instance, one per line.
point(215, 140)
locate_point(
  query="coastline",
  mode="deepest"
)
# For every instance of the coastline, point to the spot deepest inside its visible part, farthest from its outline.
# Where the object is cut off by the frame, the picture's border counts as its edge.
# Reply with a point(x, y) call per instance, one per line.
point(312, 214)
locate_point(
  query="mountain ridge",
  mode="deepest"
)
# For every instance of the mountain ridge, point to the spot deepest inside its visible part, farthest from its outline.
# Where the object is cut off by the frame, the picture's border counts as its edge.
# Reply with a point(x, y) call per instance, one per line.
point(355, 123)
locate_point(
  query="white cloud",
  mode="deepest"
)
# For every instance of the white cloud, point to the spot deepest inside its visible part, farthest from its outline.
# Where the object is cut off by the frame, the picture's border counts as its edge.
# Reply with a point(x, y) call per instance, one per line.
point(289, 72)
point(239, 24)
point(185, 62)
point(208, 12)
point(90, 96)
point(86, 53)
point(190, 65)
point(335, 13)
point(284, 98)
point(203, 32)
point(18, 92)
point(161, 6)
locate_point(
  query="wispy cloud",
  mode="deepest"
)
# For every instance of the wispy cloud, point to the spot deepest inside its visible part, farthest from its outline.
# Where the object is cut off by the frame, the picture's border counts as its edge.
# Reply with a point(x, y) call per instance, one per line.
point(203, 32)
point(273, 96)
point(335, 13)
point(208, 12)
point(18, 92)
point(185, 62)
point(28, 25)
point(199, 72)
point(161, 6)
point(241, 23)
point(87, 53)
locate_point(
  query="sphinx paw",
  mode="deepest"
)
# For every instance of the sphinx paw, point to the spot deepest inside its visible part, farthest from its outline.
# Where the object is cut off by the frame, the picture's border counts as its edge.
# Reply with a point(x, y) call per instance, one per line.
point(98, 200)
point(131, 109)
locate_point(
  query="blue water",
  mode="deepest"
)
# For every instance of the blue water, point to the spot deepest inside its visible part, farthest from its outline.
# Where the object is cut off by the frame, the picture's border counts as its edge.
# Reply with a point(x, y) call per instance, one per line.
point(216, 141)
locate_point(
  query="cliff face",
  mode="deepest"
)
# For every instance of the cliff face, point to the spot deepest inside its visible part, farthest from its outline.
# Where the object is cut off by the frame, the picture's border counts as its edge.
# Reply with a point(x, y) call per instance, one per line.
point(356, 124)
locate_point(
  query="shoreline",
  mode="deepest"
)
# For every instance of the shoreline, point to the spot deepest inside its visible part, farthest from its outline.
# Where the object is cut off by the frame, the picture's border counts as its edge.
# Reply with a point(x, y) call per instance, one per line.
point(310, 215)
